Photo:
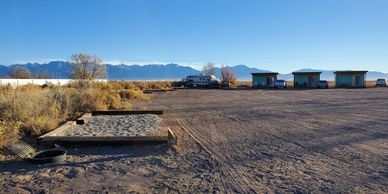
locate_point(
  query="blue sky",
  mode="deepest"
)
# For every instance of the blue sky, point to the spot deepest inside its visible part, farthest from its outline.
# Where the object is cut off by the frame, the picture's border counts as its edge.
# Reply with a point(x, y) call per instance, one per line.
point(277, 35)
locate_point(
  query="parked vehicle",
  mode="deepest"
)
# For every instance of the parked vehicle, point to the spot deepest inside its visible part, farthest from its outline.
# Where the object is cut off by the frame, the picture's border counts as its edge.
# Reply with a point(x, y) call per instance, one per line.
point(381, 83)
point(214, 84)
point(225, 84)
point(203, 81)
point(322, 84)
point(280, 83)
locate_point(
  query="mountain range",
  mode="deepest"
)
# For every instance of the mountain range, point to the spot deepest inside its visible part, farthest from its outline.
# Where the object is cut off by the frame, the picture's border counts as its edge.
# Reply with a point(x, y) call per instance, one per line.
point(61, 69)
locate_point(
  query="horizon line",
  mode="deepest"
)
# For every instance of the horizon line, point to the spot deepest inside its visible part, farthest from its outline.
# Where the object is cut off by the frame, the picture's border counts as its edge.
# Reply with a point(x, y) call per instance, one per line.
point(162, 63)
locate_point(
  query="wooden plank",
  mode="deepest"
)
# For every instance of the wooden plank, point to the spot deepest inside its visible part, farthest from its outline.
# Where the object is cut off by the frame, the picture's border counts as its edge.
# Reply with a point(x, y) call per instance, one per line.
point(84, 119)
point(127, 112)
point(102, 140)
point(172, 138)
point(60, 130)
point(158, 90)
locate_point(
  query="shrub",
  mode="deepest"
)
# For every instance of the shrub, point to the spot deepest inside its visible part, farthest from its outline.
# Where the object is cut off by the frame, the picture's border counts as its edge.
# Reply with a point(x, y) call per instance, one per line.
point(140, 85)
point(133, 95)
point(8, 132)
point(38, 110)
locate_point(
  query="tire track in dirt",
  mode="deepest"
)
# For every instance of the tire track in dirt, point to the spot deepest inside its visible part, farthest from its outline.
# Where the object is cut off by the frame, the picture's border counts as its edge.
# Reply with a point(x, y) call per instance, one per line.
point(185, 127)
point(239, 122)
point(344, 163)
point(229, 158)
point(226, 171)
point(236, 159)
point(233, 177)
point(197, 155)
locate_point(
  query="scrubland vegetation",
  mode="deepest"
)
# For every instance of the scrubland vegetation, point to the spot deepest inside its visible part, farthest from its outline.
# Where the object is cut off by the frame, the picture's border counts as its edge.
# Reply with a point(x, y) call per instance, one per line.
point(370, 84)
point(153, 85)
point(242, 84)
point(33, 110)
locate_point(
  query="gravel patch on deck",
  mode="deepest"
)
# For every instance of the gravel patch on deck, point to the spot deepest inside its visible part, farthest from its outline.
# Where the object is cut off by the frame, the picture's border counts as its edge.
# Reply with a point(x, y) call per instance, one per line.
point(118, 125)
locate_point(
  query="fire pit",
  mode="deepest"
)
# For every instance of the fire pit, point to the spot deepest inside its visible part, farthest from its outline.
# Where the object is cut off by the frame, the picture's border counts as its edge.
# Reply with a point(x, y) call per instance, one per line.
point(49, 156)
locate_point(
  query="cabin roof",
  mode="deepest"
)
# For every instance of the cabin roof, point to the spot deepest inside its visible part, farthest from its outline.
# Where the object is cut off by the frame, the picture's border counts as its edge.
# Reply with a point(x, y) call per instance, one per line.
point(265, 74)
point(307, 73)
point(350, 72)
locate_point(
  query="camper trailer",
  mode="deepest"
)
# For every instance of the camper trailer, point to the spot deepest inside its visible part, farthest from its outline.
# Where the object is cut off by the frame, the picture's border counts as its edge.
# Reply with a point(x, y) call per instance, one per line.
point(203, 81)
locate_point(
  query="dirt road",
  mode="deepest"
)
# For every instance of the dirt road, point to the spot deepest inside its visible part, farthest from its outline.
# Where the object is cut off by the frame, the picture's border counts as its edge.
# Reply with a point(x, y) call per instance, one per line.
point(240, 141)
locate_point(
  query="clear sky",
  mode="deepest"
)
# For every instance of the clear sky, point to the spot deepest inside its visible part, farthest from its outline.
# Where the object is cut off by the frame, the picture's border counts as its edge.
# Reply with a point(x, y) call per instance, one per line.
point(277, 35)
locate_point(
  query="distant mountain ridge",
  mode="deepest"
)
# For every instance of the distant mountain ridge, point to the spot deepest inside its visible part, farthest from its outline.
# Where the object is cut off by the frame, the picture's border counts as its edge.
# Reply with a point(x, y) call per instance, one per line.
point(61, 69)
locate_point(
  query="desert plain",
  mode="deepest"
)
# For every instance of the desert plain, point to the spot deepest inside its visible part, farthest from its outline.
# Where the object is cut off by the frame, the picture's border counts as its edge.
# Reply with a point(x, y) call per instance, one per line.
point(235, 141)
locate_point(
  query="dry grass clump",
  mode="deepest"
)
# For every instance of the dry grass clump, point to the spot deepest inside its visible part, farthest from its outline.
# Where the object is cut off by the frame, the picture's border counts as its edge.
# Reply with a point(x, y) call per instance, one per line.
point(242, 84)
point(152, 85)
point(133, 94)
point(370, 84)
point(9, 131)
point(131, 85)
point(33, 110)
point(92, 99)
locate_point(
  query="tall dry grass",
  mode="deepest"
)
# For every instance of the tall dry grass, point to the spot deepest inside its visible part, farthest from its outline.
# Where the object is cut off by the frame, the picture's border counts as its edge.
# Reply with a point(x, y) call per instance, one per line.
point(134, 85)
point(370, 84)
point(33, 110)
point(241, 84)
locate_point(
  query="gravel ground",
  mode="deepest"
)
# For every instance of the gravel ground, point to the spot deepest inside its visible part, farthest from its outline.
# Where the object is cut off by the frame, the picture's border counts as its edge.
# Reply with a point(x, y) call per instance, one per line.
point(236, 141)
point(117, 125)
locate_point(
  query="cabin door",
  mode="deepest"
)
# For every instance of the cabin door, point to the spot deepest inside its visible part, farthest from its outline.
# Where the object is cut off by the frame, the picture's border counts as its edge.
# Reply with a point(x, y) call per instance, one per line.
point(357, 80)
point(312, 80)
point(269, 81)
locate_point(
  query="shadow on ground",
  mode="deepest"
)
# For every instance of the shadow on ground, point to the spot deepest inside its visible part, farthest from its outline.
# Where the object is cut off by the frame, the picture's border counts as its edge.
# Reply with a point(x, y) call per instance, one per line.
point(102, 154)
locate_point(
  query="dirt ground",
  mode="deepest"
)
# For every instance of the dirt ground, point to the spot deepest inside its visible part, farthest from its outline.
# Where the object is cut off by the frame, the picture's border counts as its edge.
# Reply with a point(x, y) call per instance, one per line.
point(236, 141)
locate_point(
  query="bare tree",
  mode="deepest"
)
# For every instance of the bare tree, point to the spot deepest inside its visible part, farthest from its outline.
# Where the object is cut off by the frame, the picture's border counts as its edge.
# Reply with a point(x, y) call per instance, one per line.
point(209, 69)
point(41, 75)
point(85, 68)
point(227, 74)
point(20, 73)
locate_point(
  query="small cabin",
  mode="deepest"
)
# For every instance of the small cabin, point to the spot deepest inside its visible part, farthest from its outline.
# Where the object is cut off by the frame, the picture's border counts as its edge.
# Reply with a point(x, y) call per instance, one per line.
point(264, 80)
point(306, 79)
point(350, 79)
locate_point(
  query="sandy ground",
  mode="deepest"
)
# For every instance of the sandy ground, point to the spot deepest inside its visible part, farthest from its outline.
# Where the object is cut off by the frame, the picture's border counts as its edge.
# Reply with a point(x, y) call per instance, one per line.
point(117, 125)
point(246, 141)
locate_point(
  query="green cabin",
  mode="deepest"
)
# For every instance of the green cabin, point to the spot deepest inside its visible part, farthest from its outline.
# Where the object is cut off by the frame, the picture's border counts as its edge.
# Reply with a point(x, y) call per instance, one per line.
point(350, 79)
point(264, 80)
point(306, 79)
